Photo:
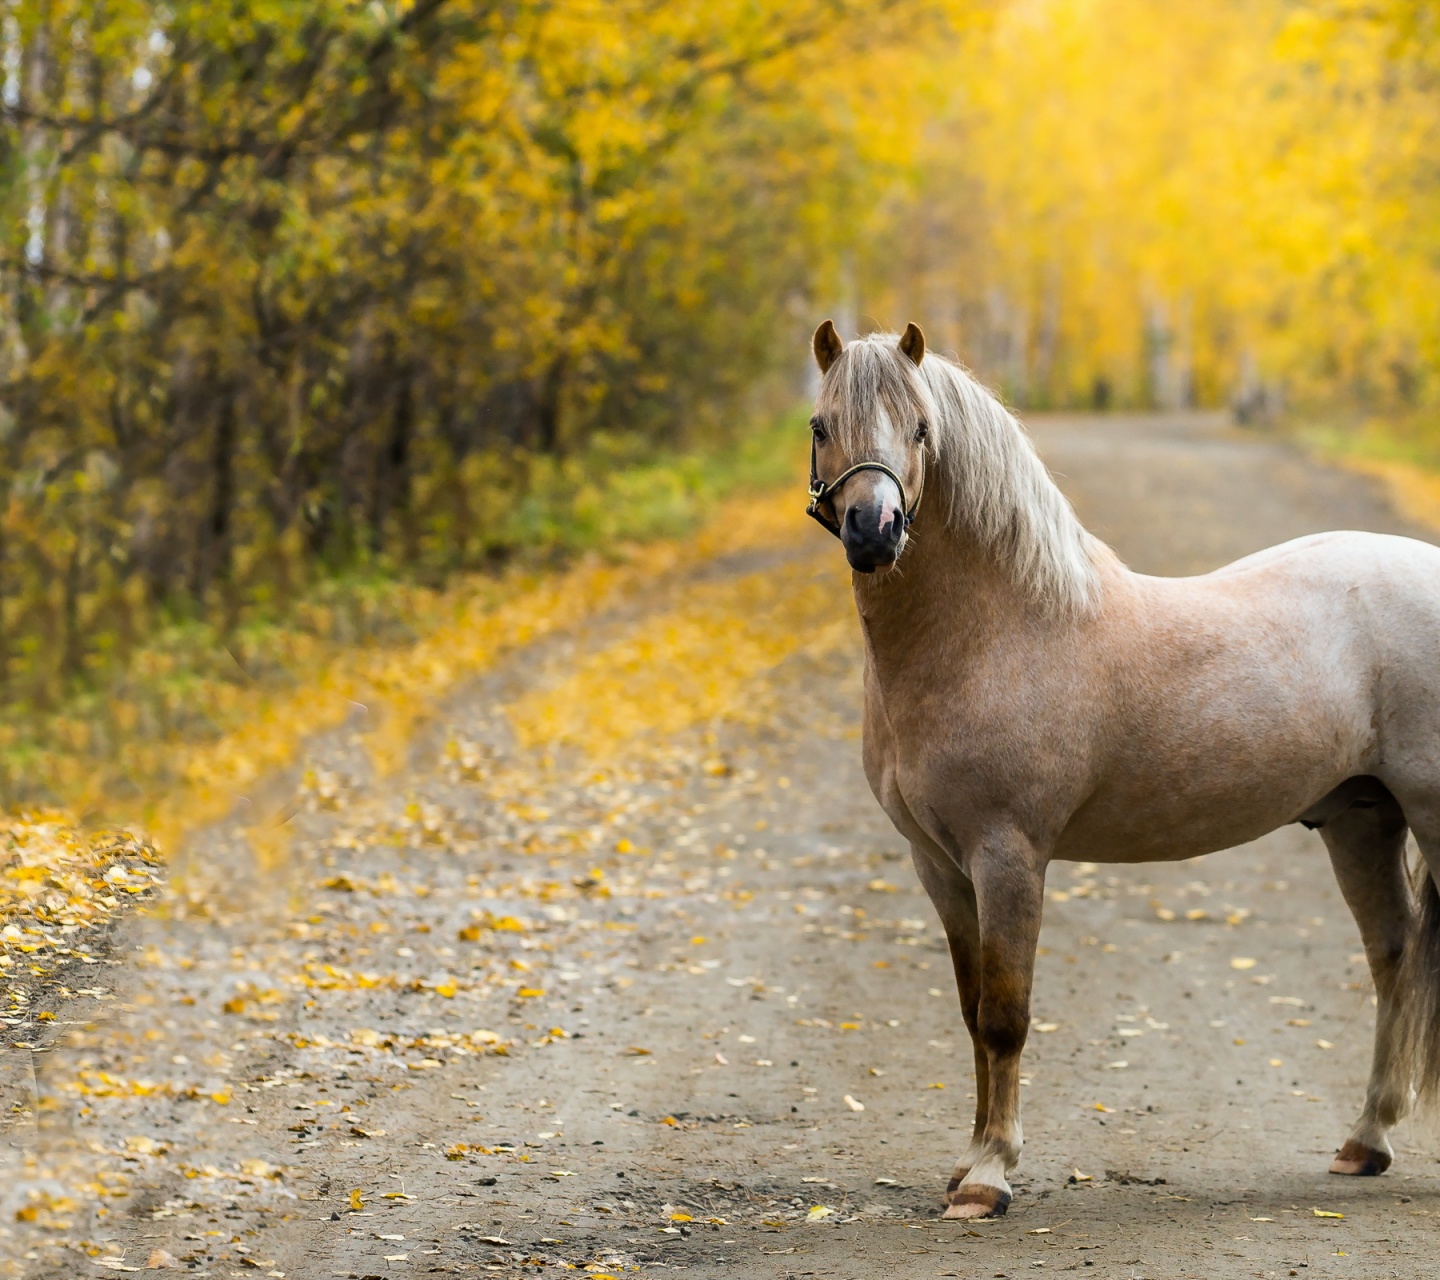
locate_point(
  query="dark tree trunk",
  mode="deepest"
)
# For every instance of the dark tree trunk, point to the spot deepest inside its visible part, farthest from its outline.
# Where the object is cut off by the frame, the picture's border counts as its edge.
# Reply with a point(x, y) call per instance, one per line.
point(71, 652)
point(393, 465)
point(547, 408)
point(213, 558)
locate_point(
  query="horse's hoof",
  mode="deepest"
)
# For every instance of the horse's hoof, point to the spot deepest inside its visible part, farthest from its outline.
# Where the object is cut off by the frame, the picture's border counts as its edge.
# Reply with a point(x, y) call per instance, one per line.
point(1356, 1160)
point(978, 1202)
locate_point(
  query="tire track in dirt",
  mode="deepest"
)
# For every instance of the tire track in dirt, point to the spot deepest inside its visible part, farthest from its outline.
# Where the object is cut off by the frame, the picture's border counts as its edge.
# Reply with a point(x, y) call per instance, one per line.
point(682, 1006)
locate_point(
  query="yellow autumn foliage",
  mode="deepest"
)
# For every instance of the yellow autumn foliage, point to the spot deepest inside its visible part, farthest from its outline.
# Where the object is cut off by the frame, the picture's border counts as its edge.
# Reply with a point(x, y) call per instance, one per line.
point(1136, 203)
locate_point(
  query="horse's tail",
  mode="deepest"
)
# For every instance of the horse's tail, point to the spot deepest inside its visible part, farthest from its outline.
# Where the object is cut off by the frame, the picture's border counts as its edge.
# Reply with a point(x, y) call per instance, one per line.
point(1419, 991)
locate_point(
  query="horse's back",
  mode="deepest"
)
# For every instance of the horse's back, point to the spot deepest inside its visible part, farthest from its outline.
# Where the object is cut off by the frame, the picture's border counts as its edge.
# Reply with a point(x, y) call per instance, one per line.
point(1377, 592)
point(1348, 555)
point(1360, 615)
point(1381, 589)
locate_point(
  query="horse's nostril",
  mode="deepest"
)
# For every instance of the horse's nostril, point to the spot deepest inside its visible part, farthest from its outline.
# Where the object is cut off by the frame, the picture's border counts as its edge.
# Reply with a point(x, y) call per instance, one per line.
point(864, 528)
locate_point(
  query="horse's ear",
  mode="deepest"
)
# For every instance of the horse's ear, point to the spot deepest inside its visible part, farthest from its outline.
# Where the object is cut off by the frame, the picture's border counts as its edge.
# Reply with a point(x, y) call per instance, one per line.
point(827, 346)
point(912, 342)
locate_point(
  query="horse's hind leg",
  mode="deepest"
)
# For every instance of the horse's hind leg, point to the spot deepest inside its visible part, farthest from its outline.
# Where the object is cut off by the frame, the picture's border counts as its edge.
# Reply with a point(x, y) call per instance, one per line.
point(1367, 850)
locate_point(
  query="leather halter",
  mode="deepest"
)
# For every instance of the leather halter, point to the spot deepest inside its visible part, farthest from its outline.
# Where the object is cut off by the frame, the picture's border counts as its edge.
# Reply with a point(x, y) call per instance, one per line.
point(822, 493)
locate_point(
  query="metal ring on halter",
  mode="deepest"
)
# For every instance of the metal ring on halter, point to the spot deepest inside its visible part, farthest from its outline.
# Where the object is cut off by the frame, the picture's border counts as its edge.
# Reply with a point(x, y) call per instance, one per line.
point(820, 492)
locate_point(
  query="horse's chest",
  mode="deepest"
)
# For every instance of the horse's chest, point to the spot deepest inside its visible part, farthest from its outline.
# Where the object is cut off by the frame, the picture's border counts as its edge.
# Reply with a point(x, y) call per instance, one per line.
point(893, 769)
point(935, 761)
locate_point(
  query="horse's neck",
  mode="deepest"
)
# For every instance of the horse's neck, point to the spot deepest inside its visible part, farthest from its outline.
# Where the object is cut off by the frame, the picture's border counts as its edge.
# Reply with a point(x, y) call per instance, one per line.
point(946, 598)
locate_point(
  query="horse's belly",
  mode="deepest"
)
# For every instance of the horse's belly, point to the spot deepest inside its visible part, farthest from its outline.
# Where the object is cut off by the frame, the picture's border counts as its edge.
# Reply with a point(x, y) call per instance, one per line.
point(1124, 834)
point(1165, 801)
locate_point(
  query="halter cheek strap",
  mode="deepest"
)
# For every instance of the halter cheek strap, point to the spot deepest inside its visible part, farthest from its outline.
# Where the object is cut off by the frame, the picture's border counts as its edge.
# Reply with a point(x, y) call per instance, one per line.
point(821, 493)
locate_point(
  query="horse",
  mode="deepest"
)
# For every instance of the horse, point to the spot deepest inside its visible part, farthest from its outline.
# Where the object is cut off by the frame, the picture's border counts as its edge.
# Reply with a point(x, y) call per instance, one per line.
point(1027, 697)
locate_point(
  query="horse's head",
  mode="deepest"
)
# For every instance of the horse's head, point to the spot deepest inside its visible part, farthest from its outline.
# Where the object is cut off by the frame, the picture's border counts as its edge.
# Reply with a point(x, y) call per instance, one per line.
point(869, 428)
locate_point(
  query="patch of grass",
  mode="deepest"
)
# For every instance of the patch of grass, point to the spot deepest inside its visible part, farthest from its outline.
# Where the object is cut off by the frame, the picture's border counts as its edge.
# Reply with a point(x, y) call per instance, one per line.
point(612, 495)
point(1416, 443)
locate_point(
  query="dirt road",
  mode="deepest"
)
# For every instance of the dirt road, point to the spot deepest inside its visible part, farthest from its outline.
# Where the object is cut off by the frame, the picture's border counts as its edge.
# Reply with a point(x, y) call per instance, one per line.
point(629, 972)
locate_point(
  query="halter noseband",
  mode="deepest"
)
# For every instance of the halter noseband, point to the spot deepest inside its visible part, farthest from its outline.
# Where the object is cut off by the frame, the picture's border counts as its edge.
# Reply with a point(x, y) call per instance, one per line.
point(821, 492)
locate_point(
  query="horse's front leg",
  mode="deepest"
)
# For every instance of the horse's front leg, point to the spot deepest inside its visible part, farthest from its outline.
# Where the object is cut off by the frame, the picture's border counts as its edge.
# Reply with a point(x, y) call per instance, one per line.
point(1009, 880)
point(954, 899)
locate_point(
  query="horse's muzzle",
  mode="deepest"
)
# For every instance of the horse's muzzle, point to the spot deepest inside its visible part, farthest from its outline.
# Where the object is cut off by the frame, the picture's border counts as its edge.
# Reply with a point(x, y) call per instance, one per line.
point(868, 545)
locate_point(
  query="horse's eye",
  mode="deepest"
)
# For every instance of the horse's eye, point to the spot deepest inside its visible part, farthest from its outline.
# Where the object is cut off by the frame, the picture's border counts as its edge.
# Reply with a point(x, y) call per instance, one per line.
point(922, 433)
point(817, 429)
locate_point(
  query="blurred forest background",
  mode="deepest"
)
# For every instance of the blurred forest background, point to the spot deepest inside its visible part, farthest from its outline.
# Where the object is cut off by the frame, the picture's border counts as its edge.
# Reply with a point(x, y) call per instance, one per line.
point(308, 307)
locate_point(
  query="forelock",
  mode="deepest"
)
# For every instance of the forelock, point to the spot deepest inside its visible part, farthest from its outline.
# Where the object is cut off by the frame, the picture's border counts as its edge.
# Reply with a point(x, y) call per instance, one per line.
point(870, 375)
